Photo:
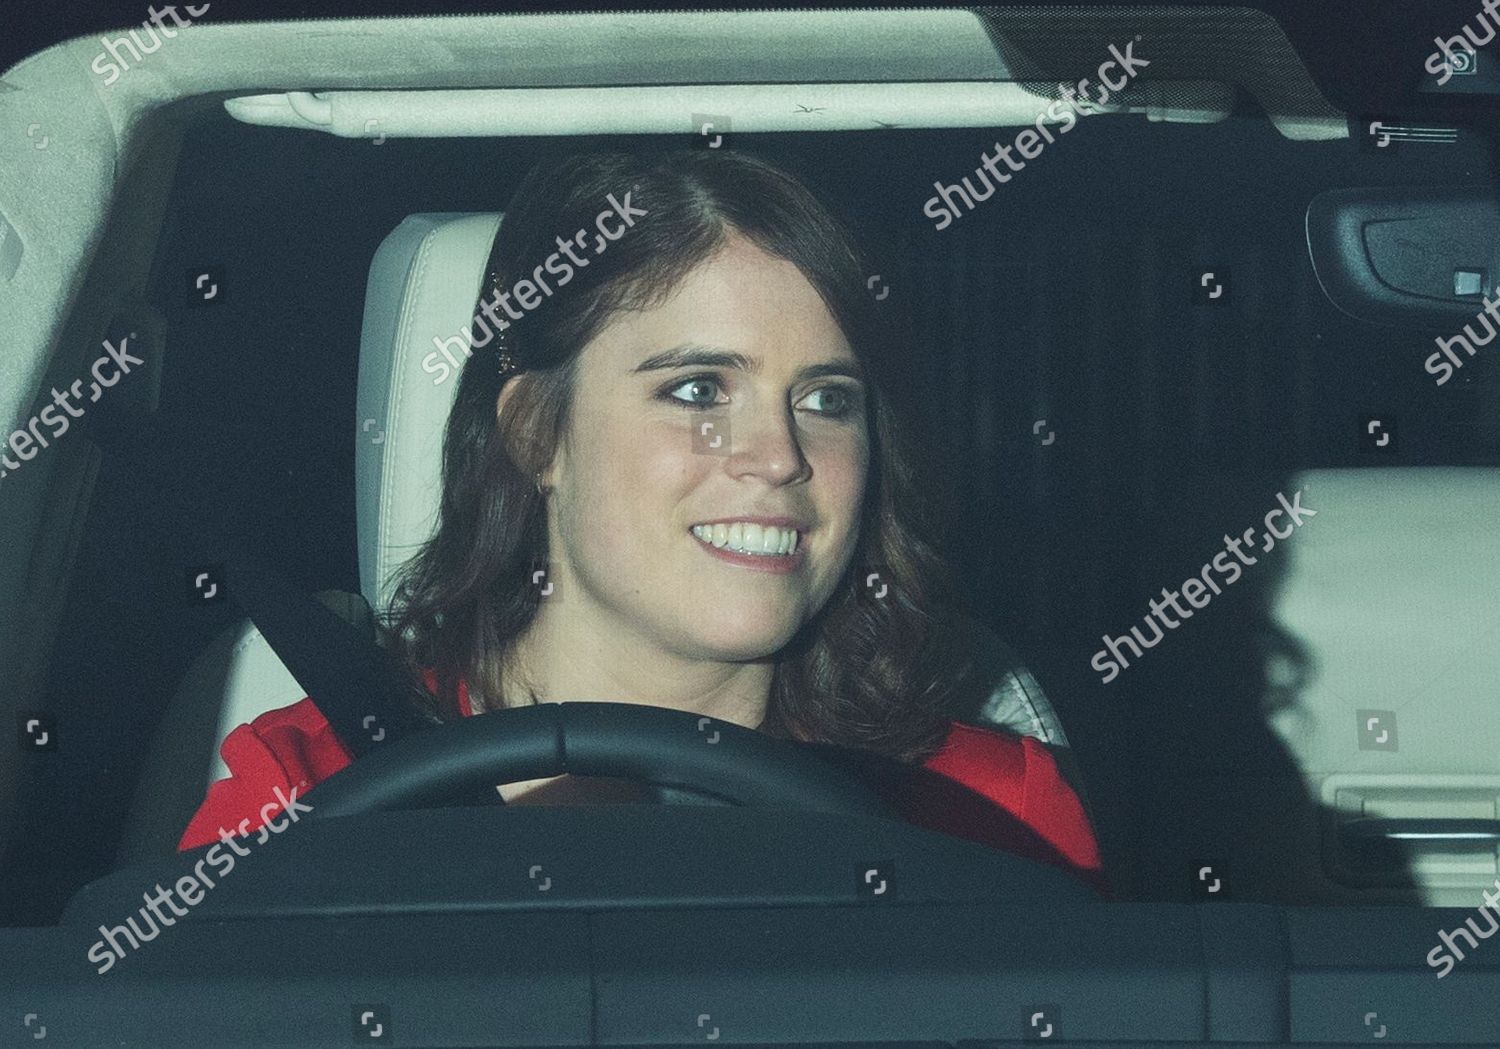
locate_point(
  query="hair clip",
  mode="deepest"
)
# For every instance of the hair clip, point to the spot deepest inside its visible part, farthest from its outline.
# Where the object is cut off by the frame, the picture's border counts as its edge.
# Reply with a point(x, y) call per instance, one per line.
point(507, 361)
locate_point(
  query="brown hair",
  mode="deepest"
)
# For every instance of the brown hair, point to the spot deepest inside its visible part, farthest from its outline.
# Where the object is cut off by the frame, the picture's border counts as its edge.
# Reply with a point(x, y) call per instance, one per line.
point(874, 674)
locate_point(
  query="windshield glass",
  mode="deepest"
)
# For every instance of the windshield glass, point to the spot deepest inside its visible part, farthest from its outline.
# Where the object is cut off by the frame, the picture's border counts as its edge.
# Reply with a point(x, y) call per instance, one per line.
point(1104, 473)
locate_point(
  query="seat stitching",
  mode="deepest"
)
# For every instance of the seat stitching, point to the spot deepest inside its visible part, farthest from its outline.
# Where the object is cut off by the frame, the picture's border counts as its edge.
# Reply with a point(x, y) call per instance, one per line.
point(393, 409)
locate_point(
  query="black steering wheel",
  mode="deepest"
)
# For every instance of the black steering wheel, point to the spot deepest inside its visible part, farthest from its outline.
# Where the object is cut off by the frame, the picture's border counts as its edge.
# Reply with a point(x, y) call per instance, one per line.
point(463, 760)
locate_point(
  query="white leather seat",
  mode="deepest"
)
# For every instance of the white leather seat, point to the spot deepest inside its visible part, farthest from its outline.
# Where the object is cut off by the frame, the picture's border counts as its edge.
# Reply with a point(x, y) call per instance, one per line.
point(424, 281)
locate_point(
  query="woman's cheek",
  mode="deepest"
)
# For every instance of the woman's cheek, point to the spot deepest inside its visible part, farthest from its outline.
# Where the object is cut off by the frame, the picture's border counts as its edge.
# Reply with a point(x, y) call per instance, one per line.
point(845, 470)
point(848, 475)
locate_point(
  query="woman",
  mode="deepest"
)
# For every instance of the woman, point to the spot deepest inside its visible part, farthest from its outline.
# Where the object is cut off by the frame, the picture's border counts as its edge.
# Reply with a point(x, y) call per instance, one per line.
point(688, 433)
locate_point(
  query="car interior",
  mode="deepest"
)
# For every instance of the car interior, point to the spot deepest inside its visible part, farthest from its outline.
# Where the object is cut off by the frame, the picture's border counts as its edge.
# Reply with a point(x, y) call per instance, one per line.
point(1216, 291)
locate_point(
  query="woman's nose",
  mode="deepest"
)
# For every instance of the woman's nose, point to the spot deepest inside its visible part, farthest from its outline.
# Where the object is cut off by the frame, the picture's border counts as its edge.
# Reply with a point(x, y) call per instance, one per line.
point(765, 443)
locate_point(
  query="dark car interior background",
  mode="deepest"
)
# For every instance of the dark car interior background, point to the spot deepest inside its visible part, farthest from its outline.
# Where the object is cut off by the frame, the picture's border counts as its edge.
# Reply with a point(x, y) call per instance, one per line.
point(1066, 299)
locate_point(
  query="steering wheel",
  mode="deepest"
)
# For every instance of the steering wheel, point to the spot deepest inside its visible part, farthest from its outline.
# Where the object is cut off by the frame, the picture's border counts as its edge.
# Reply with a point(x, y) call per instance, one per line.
point(464, 759)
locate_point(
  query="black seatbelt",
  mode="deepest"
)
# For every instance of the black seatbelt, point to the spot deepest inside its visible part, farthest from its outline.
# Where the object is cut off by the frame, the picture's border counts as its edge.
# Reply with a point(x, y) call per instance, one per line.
point(358, 686)
point(348, 677)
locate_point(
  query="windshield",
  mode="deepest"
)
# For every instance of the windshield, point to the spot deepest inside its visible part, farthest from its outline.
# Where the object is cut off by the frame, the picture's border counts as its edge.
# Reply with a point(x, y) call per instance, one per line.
point(1097, 448)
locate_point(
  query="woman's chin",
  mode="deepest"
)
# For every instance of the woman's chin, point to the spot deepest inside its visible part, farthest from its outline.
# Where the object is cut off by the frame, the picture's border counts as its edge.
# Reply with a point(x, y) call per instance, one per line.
point(742, 640)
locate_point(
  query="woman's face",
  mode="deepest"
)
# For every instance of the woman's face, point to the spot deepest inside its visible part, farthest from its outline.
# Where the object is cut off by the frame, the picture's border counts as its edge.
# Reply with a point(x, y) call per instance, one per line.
point(737, 398)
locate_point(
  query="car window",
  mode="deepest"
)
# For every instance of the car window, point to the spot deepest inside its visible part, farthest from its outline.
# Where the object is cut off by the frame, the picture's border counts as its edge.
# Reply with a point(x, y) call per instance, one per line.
point(1194, 360)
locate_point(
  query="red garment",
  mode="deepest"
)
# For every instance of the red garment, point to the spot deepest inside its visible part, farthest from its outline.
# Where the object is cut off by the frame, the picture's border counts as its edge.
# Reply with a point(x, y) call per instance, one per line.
point(296, 747)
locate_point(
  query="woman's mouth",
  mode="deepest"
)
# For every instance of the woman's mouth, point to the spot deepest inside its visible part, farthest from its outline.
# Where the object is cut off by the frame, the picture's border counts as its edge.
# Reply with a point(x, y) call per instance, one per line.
point(765, 548)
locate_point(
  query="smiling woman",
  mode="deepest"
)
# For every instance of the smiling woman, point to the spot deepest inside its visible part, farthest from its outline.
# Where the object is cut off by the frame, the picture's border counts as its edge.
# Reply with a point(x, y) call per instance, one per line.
point(677, 482)
point(708, 369)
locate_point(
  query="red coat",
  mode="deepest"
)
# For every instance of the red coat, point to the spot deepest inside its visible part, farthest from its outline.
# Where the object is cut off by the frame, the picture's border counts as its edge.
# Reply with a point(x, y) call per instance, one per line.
point(1042, 818)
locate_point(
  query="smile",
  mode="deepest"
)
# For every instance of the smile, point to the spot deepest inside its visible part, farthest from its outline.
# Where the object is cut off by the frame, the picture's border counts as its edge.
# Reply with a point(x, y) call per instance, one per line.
point(766, 548)
point(746, 537)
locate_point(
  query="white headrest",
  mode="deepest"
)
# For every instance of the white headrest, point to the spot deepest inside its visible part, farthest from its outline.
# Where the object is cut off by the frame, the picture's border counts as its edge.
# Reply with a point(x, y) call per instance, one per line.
point(424, 283)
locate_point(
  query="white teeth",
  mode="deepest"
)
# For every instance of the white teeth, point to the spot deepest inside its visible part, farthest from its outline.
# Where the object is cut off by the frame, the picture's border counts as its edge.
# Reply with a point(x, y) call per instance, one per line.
point(748, 538)
point(770, 542)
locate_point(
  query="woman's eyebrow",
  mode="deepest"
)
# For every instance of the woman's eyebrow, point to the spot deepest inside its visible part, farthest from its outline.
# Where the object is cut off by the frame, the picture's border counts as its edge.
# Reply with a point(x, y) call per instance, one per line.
point(696, 355)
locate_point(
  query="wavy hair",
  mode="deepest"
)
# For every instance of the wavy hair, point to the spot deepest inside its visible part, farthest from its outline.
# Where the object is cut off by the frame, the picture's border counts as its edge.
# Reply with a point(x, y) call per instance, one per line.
point(877, 673)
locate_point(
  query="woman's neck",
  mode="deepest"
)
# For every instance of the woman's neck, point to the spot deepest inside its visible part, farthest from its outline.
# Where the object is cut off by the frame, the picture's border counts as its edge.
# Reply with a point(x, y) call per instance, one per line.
point(561, 657)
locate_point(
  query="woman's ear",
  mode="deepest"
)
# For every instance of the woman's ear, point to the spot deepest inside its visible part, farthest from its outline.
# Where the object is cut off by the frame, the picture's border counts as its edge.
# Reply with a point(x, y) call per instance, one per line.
point(546, 477)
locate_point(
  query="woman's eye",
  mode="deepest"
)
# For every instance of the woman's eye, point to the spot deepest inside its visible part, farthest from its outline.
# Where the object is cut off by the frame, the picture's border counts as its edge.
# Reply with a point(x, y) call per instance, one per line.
point(700, 392)
point(832, 401)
